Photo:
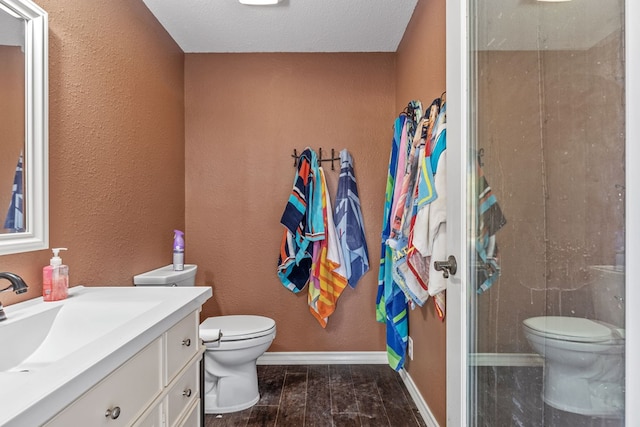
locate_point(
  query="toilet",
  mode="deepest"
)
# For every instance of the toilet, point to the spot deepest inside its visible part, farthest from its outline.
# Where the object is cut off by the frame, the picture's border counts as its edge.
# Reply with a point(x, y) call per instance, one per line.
point(232, 346)
point(584, 358)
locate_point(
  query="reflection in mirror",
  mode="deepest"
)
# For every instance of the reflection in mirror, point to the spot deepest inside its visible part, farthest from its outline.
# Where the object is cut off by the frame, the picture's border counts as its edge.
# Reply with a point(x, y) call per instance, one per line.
point(23, 127)
point(12, 120)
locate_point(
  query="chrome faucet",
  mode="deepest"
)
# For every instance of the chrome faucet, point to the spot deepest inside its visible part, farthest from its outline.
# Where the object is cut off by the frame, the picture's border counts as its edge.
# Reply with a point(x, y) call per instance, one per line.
point(17, 285)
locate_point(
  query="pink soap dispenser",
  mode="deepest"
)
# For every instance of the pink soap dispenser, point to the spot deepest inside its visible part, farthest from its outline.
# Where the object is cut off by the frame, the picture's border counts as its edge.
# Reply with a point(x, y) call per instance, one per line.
point(55, 278)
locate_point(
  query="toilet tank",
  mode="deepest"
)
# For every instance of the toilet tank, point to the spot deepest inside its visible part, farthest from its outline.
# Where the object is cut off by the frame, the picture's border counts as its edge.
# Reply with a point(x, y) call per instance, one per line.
point(607, 289)
point(167, 276)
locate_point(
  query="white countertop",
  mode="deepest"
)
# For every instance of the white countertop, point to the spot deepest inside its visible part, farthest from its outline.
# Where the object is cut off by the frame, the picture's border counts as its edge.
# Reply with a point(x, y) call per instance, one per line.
point(31, 398)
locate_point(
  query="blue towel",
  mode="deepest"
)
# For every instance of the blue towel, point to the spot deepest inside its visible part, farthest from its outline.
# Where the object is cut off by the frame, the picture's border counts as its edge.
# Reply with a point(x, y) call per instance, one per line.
point(349, 224)
point(15, 216)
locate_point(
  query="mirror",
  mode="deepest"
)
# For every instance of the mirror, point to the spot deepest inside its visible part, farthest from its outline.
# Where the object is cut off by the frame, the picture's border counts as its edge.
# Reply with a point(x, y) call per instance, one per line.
point(24, 198)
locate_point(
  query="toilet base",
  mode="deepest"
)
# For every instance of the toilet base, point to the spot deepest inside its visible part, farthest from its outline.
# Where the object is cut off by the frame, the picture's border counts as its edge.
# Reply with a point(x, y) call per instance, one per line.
point(211, 408)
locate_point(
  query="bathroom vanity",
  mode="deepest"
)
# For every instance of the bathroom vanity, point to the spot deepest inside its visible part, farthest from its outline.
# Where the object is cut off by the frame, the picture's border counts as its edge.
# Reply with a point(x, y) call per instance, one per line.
point(116, 356)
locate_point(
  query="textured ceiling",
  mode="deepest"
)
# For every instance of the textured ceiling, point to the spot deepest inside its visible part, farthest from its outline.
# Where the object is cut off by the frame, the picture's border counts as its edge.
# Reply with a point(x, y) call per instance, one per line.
point(291, 26)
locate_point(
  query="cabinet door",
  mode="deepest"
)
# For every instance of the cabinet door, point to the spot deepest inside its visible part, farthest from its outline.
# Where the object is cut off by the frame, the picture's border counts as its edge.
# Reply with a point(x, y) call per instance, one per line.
point(182, 342)
point(120, 398)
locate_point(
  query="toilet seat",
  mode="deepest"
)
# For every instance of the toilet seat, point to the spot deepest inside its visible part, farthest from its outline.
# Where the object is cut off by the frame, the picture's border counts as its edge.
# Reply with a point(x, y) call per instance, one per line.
point(574, 329)
point(240, 327)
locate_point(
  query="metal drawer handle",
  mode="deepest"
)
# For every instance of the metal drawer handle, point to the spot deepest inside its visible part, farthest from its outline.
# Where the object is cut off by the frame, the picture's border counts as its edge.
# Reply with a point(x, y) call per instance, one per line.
point(187, 392)
point(186, 342)
point(113, 413)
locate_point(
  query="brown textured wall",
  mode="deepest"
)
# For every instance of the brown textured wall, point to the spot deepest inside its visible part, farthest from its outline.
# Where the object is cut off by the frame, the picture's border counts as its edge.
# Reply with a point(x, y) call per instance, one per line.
point(245, 113)
point(116, 143)
point(421, 75)
point(11, 120)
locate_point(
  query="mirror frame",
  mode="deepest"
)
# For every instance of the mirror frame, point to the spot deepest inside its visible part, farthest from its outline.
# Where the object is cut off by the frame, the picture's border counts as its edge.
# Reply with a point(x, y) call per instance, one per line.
point(36, 150)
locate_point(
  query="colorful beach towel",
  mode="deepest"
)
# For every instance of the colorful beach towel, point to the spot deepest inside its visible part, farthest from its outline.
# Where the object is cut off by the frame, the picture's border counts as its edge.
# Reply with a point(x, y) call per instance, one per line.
point(328, 273)
point(303, 221)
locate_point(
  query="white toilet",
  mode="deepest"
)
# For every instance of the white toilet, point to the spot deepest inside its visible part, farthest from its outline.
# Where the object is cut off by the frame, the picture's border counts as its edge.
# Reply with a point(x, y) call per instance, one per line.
point(233, 344)
point(584, 358)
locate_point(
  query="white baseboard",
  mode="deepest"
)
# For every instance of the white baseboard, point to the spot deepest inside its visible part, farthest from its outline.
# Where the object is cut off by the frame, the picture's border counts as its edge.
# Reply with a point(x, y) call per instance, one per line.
point(323, 358)
point(423, 408)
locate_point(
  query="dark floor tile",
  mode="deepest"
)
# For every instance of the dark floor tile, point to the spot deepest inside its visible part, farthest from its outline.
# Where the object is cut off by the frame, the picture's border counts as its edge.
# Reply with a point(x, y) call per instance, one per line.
point(370, 405)
point(346, 419)
point(294, 400)
point(270, 382)
point(342, 393)
point(263, 416)
point(234, 419)
point(326, 396)
point(318, 413)
point(397, 402)
point(297, 369)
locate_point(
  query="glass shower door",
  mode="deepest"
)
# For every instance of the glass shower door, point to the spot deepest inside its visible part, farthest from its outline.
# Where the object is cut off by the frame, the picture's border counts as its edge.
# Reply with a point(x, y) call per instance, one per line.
point(543, 235)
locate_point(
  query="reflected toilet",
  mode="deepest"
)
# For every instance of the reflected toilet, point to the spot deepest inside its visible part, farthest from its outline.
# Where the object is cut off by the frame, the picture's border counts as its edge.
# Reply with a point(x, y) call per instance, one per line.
point(584, 358)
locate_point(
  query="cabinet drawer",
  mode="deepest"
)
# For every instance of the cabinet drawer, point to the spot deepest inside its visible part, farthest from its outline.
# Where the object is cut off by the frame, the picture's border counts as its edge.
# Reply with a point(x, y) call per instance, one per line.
point(182, 342)
point(122, 396)
point(183, 392)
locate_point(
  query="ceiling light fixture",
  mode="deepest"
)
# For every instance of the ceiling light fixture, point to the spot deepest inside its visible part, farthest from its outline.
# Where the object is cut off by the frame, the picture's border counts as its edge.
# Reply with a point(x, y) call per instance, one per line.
point(260, 2)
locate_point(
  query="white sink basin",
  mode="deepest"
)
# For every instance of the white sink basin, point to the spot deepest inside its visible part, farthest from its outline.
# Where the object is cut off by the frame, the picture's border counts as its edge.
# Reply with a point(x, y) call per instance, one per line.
point(53, 352)
point(46, 333)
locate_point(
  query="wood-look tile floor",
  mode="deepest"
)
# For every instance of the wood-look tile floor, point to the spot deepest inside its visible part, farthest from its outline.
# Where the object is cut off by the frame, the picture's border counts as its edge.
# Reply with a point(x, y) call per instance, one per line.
point(326, 395)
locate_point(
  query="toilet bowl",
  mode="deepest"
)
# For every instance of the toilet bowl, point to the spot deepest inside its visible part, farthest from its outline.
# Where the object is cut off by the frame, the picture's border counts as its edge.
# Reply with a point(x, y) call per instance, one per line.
point(232, 346)
point(231, 381)
point(584, 358)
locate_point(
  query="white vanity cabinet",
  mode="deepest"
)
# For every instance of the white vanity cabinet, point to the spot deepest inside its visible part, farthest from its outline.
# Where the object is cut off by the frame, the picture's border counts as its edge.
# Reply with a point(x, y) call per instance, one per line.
point(159, 386)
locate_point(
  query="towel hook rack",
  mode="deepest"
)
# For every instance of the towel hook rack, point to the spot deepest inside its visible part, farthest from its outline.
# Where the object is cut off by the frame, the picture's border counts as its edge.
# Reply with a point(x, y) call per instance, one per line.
point(332, 159)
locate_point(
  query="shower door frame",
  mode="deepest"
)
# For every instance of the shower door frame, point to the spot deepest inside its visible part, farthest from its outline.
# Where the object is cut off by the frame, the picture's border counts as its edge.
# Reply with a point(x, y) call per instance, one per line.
point(459, 120)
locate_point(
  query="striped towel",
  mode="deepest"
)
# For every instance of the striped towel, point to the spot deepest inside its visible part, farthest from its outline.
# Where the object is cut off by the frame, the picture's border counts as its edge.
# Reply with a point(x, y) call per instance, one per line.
point(14, 220)
point(349, 223)
point(302, 218)
point(328, 273)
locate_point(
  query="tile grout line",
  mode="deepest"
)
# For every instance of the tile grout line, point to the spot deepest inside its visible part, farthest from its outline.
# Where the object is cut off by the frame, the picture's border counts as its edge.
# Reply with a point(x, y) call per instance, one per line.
point(284, 379)
point(355, 395)
point(306, 398)
point(330, 395)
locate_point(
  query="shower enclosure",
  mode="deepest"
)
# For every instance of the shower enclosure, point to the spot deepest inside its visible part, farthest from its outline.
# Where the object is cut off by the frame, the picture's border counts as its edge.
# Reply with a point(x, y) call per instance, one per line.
point(540, 95)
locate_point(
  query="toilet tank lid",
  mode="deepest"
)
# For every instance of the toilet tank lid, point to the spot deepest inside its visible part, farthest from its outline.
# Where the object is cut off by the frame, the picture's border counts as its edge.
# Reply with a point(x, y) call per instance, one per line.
point(570, 327)
point(165, 275)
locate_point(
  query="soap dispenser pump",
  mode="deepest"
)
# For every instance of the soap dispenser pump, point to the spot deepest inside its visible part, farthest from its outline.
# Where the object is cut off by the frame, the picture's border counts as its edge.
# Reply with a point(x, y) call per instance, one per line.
point(55, 278)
